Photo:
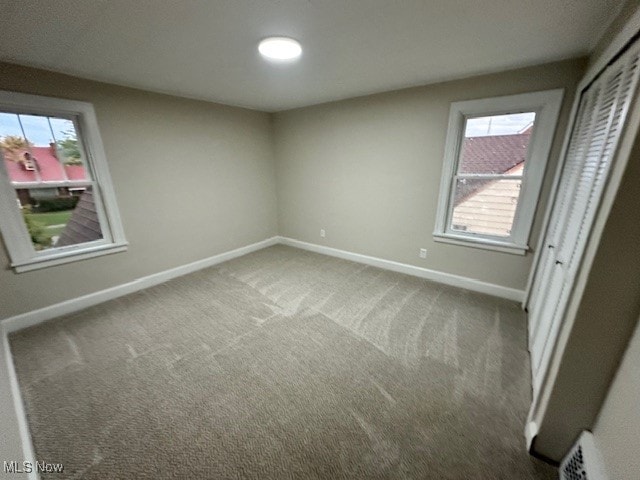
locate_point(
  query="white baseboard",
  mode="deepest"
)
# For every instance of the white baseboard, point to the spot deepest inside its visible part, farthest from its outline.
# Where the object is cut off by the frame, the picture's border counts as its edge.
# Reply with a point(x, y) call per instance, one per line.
point(530, 432)
point(24, 435)
point(436, 276)
point(34, 317)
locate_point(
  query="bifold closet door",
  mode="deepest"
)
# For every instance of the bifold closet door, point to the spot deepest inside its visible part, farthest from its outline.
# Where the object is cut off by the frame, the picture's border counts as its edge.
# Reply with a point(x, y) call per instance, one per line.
point(571, 171)
point(599, 122)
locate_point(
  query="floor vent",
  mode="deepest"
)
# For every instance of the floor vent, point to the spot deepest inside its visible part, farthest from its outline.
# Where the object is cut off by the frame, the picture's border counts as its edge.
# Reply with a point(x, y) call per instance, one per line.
point(583, 462)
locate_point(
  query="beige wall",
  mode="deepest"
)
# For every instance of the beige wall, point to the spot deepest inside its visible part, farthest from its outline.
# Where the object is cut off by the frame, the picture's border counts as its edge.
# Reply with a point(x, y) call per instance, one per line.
point(192, 179)
point(617, 429)
point(367, 170)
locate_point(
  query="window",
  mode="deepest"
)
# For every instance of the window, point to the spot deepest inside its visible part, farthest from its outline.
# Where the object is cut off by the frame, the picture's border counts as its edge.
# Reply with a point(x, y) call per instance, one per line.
point(56, 199)
point(495, 157)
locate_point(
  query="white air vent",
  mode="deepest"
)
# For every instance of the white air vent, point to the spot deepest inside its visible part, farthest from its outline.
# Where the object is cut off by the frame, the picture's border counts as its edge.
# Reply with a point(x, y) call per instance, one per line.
point(583, 462)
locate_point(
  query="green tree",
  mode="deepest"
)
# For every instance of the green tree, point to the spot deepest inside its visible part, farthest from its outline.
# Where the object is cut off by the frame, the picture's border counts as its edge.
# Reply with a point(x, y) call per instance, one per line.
point(37, 231)
point(11, 144)
point(70, 148)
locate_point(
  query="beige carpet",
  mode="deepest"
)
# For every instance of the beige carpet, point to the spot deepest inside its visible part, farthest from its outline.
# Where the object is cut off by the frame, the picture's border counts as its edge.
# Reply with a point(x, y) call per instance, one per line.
point(283, 364)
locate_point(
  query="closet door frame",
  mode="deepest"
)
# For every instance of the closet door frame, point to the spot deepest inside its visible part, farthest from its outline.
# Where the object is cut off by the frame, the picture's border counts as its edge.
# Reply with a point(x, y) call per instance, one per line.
point(616, 90)
point(621, 157)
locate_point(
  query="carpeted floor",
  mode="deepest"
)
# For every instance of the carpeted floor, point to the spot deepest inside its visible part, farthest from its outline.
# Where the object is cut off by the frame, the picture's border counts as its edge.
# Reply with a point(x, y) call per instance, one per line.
point(283, 364)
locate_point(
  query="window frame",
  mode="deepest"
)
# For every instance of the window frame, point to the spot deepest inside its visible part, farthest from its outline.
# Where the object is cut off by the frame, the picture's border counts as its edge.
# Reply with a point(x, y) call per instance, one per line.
point(22, 254)
point(546, 105)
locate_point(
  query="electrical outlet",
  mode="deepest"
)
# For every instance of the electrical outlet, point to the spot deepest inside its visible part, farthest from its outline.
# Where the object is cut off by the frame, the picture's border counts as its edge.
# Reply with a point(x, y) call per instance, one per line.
point(322, 233)
point(423, 253)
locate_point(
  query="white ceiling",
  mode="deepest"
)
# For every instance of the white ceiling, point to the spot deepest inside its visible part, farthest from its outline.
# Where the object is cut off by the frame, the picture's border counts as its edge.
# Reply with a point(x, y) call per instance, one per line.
point(207, 49)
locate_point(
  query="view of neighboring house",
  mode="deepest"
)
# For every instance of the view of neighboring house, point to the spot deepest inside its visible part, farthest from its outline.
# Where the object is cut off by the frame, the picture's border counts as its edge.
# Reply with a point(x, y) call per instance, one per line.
point(489, 206)
point(37, 175)
point(35, 167)
point(83, 226)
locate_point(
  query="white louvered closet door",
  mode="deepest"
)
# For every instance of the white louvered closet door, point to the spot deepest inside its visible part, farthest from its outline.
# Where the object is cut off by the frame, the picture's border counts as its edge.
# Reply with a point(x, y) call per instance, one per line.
point(599, 122)
point(568, 179)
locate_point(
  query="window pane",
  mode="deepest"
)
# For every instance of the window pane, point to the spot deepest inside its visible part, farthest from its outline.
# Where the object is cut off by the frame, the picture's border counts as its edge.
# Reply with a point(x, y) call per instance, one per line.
point(68, 148)
point(57, 217)
point(16, 150)
point(496, 144)
point(9, 125)
point(485, 206)
point(40, 149)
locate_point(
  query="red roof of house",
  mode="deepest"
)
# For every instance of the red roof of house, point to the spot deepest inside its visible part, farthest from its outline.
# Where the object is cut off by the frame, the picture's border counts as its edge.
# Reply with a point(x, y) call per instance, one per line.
point(49, 167)
point(494, 153)
point(75, 172)
point(490, 154)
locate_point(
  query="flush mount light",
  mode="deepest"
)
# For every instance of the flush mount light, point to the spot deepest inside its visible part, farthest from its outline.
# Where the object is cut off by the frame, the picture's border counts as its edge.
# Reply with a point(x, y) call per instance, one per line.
point(280, 48)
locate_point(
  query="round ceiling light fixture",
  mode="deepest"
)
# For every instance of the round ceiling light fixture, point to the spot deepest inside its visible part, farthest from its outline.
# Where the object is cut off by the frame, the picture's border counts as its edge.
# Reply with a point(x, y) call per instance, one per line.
point(280, 49)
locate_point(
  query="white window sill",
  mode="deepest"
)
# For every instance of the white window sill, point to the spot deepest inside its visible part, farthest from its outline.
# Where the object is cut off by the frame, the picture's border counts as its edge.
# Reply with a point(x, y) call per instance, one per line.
point(68, 257)
point(484, 243)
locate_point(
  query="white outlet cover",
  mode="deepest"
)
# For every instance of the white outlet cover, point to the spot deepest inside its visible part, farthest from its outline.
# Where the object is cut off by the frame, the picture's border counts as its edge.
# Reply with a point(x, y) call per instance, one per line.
point(423, 253)
point(322, 232)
